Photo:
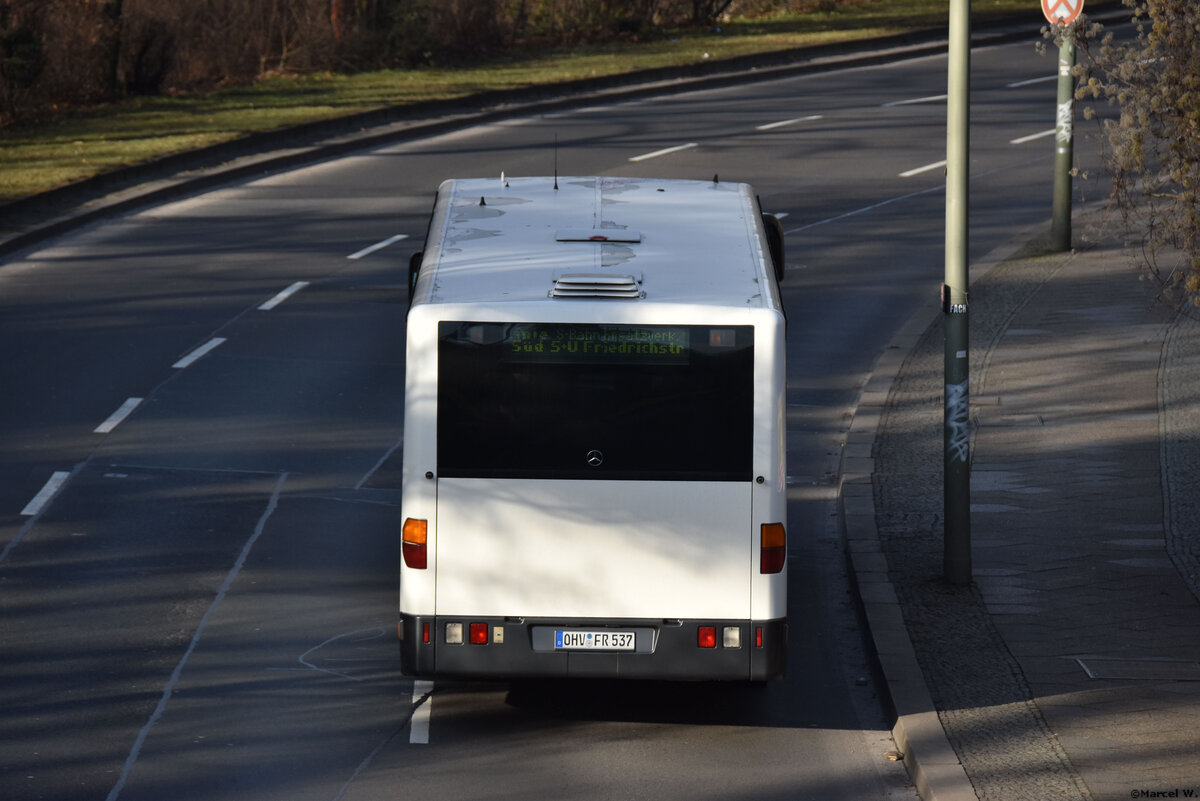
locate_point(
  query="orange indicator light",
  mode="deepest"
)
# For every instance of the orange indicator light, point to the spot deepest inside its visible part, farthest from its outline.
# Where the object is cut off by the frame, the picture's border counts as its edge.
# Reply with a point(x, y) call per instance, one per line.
point(414, 543)
point(773, 554)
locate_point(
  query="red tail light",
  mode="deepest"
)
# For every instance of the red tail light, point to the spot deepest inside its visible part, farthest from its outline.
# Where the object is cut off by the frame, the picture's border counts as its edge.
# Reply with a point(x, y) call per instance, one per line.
point(479, 634)
point(414, 543)
point(773, 554)
point(706, 637)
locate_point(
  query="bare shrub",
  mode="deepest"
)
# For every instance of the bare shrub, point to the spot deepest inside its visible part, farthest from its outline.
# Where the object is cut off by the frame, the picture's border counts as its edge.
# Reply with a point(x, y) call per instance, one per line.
point(21, 62)
point(68, 53)
point(1153, 149)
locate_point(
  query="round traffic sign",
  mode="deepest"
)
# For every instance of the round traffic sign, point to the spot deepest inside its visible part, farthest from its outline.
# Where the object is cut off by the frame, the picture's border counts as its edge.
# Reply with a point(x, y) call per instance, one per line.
point(1061, 12)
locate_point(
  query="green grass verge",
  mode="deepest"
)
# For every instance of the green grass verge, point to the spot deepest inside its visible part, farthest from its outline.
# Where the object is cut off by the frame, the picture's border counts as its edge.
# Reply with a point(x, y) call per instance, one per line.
point(80, 145)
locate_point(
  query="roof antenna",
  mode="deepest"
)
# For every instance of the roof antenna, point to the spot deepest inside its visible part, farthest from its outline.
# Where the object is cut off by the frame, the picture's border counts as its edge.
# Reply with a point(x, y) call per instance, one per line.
point(556, 162)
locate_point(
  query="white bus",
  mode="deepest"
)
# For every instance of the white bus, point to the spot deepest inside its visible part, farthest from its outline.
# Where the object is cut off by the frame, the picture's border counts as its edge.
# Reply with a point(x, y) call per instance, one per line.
point(594, 477)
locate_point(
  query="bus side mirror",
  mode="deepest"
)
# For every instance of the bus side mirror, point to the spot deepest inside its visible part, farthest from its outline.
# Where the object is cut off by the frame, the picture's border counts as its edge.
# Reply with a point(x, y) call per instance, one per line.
point(774, 230)
point(414, 270)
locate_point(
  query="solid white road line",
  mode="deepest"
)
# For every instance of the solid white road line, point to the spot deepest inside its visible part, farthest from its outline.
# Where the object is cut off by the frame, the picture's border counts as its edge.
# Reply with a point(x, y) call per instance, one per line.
point(865, 209)
point(367, 251)
point(772, 125)
point(419, 728)
point(173, 681)
point(1032, 81)
point(665, 151)
point(919, 170)
point(282, 296)
point(927, 191)
point(379, 464)
point(43, 497)
point(118, 417)
point(914, 101)
point(1031, 137)
point(198, 353)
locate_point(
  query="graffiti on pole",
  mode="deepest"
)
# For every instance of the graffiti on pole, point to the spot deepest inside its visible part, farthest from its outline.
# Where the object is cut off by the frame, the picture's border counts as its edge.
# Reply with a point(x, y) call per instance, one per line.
point(958, 419)
point(1064, 131)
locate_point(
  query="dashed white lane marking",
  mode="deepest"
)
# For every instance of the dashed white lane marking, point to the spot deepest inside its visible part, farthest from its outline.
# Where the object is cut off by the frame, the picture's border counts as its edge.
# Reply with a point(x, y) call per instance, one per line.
point(926, 168)
point(914, 101)
point(1039, 135)
point(199, 353)
point(47, 492)
point(367, 251)
point(664, 151)
point(118, 417)
point(784, 123)
point(282, 296)
point(419, 728)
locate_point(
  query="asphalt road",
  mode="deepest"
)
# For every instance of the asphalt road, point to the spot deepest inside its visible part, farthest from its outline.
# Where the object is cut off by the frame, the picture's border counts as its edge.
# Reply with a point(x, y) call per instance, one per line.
point(199, 479)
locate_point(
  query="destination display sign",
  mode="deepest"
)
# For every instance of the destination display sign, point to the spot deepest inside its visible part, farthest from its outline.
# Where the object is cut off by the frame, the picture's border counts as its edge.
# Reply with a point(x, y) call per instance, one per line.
point(552, 343)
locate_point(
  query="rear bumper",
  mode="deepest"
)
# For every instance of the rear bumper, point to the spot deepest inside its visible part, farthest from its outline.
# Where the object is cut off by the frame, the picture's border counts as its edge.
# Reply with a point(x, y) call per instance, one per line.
point(525, 647)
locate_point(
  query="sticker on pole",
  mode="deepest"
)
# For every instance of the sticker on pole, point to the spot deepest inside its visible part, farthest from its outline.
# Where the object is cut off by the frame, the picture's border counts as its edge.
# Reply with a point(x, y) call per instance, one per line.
point(1062, 12)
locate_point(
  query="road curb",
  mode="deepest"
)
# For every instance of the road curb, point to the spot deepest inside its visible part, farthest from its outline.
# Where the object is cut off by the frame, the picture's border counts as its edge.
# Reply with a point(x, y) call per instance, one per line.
point(931, 760)
point(173, 177)
point(179, 175)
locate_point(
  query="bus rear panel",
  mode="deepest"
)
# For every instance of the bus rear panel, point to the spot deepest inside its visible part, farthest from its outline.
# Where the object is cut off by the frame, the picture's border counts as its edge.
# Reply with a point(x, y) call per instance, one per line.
point(593, 486)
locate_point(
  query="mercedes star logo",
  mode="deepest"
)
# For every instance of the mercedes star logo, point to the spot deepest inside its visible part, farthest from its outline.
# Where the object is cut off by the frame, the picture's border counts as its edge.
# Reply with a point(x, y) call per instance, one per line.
point(595, 458)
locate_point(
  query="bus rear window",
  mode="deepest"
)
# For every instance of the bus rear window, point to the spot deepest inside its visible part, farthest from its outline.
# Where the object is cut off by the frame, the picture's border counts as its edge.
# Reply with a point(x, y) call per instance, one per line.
point(571, 401)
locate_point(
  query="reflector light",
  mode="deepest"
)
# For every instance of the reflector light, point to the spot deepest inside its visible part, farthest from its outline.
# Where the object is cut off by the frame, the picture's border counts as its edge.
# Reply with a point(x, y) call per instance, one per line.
point(773, 554)
point(454, 634)
point(706, 637)
point(413, 543)
point(425, 633)
point(732, 637)
point(479, 634)
point(758, 636)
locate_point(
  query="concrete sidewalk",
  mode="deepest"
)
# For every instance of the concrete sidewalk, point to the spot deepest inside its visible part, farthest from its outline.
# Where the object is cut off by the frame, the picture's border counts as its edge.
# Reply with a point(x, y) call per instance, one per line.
point(1071, 668)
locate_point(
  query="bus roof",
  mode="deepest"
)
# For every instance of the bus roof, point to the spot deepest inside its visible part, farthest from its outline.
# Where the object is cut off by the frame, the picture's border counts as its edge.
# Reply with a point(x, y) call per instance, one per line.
point(638, 239)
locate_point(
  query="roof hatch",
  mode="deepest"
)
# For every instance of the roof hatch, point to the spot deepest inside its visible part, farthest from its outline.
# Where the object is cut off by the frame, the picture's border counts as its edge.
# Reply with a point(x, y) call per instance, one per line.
point(596, 285)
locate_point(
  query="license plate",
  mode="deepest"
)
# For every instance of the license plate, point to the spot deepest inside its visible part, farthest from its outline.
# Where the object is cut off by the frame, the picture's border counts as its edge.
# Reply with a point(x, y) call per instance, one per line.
point(602, 640)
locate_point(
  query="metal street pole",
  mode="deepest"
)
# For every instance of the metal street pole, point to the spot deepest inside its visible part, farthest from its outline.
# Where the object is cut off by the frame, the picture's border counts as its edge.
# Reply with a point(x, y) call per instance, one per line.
point(956, 428)
point(1064, 141)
